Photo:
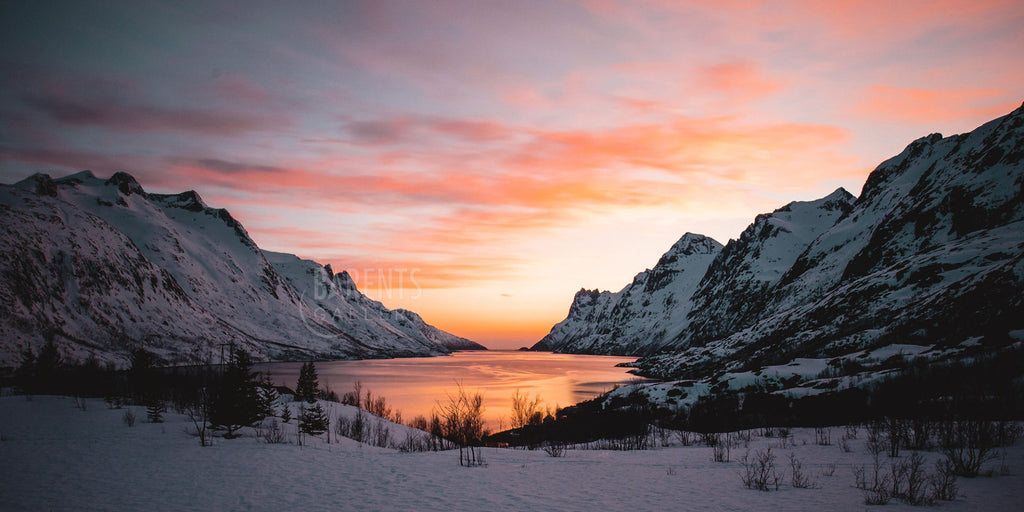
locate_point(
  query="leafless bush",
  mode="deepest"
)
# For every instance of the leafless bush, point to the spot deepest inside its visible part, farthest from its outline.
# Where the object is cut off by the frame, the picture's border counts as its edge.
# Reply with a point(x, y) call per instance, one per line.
point(129, 417)
point(916, 479)
point(354, 397)
point(800, 479)
point(381, 433)
point(414, 442)
point(830, 469)
point(663, 434)
point(554, 448)
point(876, 486)
point(896, 433)
point(1007, 432)
point(710, 438)
point(79, 403)
point(851, 432)
point(823, 436)
point(525, 411)
point(377, 405)
point(968, 444)
point(198, 413)
point(273, 433)
point(685, 438)
point(876, 437)
point(356, 429)
point(757, 472)
point(943, 481)
point(462, 423)
point(720, 452)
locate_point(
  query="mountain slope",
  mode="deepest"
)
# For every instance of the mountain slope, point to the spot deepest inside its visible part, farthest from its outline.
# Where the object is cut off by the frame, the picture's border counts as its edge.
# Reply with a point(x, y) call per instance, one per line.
point(102, 267)
point(645, 314)
point(929, 257)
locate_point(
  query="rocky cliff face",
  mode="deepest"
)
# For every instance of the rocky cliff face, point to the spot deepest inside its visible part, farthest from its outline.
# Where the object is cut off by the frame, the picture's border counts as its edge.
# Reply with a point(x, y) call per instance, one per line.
point(102, 268)
point(929, 255)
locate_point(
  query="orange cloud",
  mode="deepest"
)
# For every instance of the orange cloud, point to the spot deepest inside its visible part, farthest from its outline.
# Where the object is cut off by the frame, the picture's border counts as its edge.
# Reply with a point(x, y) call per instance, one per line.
point(905, 105)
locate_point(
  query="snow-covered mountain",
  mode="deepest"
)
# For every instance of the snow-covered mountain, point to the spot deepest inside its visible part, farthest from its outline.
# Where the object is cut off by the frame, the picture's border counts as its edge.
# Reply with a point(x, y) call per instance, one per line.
point(644, 315)
point(102, 267)
point(930, 255)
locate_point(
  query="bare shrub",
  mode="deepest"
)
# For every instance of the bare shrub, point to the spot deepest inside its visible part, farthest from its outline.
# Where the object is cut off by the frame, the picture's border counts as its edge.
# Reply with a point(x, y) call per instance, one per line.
point(851, 432)
point(830, 469)
point(685, 438)
point(129, 417)
point(462, 423)
point(354, 397)
point(273, 433)
point(198, 413)
point(823, 436)
point(377, 406)
point(799, 479)
point(943, 481)
point(525, 411)
point(554, 448)
point(758, 471)
point(381, 433)
point(414, 442)
point(720, 452)
point(896, 433)
point(968, 444)
point(916, 478)
point(875, 485)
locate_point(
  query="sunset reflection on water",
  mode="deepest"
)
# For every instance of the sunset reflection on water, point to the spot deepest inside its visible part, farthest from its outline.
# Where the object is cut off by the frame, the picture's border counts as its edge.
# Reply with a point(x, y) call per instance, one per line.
point(416, 385)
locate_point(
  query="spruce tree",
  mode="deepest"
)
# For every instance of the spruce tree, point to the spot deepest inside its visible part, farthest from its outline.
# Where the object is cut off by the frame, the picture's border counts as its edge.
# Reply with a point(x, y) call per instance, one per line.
point(237, 402)
point(306, 387)
point(286, 414)
point(155, 412)
point(268, 396)
point(313, 421)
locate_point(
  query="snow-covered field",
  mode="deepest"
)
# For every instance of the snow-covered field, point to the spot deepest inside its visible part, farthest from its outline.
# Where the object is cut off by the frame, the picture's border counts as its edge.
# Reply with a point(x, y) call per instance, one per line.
point(54, 456)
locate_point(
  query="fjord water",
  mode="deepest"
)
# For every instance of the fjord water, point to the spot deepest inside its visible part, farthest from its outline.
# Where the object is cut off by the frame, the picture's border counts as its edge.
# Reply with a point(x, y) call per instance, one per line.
point(416, 385)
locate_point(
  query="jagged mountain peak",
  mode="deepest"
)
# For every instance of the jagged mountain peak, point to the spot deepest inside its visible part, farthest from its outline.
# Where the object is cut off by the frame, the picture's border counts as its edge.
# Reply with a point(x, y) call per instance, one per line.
point(39, 184)
point(126, 183)
point(188, 200)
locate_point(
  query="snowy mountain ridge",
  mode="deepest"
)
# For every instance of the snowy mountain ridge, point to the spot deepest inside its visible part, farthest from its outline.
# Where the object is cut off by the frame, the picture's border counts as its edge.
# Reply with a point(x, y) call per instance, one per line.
point(102, 267)
point(929, 256)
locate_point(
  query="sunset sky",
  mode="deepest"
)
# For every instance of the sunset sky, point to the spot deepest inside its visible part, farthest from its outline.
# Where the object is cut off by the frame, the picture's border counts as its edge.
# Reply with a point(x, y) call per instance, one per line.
point(495, 156)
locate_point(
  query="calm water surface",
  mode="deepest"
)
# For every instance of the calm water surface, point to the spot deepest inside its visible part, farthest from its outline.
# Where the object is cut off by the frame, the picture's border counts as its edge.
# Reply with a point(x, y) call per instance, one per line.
point(416, 385)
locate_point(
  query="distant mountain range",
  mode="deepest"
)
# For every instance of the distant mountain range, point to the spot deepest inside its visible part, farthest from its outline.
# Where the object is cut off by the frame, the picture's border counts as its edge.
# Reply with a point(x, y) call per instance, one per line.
point(102, 268)
point(927, 262)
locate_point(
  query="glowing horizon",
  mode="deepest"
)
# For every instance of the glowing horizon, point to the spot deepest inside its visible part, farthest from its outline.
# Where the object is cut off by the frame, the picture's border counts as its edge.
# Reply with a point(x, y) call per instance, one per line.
point(499, 155)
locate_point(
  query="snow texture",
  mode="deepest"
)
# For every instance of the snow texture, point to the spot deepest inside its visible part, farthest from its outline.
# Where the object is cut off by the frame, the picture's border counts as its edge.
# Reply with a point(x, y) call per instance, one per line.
point(58, 458)
point(102, 268)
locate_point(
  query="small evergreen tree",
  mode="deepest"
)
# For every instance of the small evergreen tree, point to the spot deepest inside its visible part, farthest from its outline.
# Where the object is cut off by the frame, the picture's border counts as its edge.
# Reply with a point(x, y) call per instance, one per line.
point(155, 412)
point(237, 402)
point(267, 395)
point(306, 387)
point(313, 421)
point(286, 414)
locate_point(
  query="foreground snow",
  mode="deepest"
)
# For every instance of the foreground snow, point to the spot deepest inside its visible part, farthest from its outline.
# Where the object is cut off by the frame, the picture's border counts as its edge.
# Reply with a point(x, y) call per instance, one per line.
point(56, 457)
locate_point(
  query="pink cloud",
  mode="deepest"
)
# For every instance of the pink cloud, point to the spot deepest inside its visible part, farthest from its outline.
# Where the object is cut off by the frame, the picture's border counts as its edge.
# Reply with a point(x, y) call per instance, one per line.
point(906, 105)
